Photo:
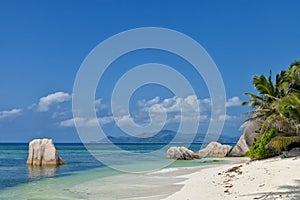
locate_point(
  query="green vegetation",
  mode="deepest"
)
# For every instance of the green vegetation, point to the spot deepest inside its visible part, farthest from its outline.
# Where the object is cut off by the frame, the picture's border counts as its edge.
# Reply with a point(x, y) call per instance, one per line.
point(280, 143)
point(277, 107)
point(258, 149)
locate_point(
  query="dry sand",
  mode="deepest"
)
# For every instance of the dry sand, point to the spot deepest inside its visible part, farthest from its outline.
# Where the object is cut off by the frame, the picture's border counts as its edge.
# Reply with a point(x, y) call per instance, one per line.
point(274, 178)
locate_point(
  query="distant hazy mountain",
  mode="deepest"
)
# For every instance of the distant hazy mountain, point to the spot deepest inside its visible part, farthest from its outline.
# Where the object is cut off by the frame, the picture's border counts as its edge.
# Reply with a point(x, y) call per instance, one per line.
point(165, 136)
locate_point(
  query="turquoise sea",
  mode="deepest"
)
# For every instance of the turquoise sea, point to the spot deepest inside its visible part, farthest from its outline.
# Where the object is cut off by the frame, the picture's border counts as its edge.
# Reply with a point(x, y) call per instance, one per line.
point(18, 181)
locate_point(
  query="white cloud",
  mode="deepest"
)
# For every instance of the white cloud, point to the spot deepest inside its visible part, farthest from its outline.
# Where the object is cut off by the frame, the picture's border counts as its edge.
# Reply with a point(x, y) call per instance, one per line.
point(176, 107)
point(234, 101)
point(82, 122)
point(188, 109)
point(99, 106)
point(225, 117)
point(105, 120)
point(149, 102)
point(10, 113)
point(177, 118)
point(61, 114)
point(126, 119)
point(68, 123)
point(174, 104)
point(51, 99)
point(230, 120)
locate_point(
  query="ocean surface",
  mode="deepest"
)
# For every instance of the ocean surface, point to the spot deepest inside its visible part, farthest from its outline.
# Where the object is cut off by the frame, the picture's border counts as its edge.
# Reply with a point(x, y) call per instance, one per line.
point(14, 173)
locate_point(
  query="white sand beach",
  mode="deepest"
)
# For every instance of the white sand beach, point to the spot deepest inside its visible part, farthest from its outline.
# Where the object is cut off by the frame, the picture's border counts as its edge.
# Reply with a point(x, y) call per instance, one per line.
point(273, 178)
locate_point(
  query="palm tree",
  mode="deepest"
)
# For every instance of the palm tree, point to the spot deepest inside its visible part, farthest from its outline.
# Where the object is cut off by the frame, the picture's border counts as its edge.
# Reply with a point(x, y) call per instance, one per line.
point(290, 79)
point(262, 103)
point(289, 110)
point(266, 89)
point(277, 105)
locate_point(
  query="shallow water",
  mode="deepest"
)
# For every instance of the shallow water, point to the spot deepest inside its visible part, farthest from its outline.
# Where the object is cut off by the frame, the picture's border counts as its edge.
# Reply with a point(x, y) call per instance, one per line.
point(105, 183)
point(84, 177)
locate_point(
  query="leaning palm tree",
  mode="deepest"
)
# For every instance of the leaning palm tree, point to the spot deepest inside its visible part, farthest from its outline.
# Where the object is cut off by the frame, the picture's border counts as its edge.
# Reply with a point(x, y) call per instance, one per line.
point(262, 103)
point(276, 104)
point(266, 89)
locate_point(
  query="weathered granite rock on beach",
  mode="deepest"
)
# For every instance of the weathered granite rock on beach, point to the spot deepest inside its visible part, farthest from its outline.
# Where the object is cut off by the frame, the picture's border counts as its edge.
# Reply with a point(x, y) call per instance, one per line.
point(215, 149)
point(246, 139)
point(42, 152)
point(181, 153)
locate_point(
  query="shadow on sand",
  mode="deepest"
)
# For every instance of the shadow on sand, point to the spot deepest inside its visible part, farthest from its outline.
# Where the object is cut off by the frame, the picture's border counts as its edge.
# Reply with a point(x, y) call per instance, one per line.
point(291, 192)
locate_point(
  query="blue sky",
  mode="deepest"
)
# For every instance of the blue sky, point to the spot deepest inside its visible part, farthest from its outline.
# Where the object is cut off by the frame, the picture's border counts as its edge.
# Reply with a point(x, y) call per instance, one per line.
point(43, 44)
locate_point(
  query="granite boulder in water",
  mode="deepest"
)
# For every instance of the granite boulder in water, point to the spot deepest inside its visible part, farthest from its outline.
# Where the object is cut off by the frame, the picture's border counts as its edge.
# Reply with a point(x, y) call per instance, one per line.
point(42, 152)
point(181, 153)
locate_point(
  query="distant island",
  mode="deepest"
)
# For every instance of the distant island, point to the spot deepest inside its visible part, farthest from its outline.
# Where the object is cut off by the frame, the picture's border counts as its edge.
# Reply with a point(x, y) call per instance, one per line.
point(165, 136)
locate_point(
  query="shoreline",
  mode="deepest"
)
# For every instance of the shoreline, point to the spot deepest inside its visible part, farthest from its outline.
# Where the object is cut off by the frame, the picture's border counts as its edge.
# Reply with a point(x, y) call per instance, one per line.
point(147, 186)
point(94, 184)
point(236, 178)
point(273, 178)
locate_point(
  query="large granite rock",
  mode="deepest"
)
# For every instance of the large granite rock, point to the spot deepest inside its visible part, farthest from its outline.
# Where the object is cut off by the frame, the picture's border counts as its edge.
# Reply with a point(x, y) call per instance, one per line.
point(42, 152)
point(246, 139)
point(181, 153)
point(215, 149)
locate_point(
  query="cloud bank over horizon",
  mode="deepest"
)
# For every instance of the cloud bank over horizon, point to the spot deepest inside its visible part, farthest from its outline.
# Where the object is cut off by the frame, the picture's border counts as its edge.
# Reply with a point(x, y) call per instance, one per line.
point(152, 109)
